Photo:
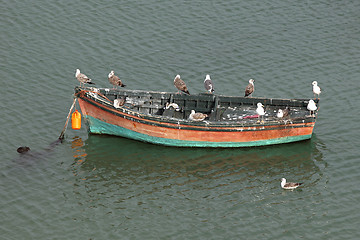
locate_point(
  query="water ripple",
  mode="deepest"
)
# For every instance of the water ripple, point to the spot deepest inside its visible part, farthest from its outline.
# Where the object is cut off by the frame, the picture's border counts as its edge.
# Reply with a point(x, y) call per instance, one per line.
point(90, 183)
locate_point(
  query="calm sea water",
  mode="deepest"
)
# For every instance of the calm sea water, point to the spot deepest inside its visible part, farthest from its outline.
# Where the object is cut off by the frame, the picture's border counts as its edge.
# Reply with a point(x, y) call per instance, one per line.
point(102, 187)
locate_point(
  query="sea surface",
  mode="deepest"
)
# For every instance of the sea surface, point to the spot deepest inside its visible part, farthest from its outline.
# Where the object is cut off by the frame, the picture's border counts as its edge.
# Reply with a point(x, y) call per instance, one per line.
point(104, 187)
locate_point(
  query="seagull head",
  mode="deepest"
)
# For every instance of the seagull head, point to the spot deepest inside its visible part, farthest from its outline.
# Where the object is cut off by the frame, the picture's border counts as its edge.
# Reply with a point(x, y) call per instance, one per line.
point(259, 105)
point(280, 113)
point(314, 83)
point(251, 81)
point(111, 73)
point(207, 77)
point(77, 72)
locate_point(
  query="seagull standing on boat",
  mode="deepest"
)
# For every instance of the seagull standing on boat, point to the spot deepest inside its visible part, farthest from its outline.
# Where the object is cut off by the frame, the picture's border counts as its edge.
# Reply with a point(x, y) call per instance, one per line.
point(208, 84)
point(316, 89)
point(82, 78)
point(250, 88)
point(283, 112)
point(173, 105)
point(194, 116)
point(311, 107)
point(289, 185)
point(119, 102)
point(180, 84)
point(115, 80)
point(260, 110)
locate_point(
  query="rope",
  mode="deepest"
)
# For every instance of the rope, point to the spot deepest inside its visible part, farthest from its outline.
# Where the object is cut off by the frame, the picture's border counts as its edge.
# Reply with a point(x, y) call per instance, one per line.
point(61, 137)
point(78, 94)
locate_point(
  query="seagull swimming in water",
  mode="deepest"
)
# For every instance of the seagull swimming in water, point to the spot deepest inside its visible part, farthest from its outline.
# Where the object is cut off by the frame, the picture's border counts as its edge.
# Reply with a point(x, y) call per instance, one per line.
point(289, 185)
point(194, 116)
point(180, 84)
point(82, 78)
point(208, 84)
point(250, 88)
point(260, 110)
point(316, 89)
point(115, 80)
point(311, 107)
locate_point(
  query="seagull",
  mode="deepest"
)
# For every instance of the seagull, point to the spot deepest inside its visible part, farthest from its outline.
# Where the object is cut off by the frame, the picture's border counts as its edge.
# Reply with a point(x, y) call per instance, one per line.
point(283, 112)
point(208, 84)
point(260, 110)
point(180, 84)
point(82, 78)
point(119, 102)
point(173, 105)
point(311, 107)
point(250, 88)
point(115, 80)
point(316, 89)
point(289, 185)
point(197, 116)
point(280, 114)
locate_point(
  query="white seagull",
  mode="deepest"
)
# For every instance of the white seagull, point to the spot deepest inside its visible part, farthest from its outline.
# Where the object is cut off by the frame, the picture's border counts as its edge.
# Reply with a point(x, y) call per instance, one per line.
point(260, 110)
point(311, 107)
point(316, 89)
point(82, 78)
point(208, 84)
point(280, 113)
point(289, 185)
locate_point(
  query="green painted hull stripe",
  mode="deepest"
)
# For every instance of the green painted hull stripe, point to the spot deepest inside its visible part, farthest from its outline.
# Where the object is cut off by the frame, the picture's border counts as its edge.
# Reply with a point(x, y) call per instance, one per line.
point(98, 127)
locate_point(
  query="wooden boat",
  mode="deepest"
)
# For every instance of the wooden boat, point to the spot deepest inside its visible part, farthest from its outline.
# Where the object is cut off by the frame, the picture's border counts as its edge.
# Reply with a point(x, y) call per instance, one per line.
point(232, 121)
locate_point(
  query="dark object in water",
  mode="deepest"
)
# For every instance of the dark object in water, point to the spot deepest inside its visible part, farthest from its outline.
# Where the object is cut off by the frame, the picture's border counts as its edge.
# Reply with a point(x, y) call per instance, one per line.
point(23, 149)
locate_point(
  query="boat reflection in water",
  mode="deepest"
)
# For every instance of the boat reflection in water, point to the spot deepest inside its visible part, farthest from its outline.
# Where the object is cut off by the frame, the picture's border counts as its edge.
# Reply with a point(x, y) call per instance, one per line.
point(120, 158)
point(79, 152)
point(130, 178)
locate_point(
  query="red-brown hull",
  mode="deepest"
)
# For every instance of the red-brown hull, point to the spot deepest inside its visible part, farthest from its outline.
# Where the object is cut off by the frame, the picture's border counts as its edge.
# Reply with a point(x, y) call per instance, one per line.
point(127, 124)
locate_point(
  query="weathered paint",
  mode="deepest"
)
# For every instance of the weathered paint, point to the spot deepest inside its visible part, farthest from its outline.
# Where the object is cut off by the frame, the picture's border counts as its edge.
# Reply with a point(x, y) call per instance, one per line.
point(99, 127)
point(103, 121)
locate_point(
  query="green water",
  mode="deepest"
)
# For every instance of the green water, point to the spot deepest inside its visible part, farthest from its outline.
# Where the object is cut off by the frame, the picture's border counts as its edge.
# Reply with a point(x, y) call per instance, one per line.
point(102, 187)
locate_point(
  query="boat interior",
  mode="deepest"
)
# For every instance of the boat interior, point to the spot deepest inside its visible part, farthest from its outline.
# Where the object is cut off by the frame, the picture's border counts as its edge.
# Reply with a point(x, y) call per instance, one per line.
point(219, 108)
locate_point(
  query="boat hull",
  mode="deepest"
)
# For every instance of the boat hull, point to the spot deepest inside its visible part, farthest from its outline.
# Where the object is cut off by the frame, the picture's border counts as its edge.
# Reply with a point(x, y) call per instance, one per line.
point(105, 120)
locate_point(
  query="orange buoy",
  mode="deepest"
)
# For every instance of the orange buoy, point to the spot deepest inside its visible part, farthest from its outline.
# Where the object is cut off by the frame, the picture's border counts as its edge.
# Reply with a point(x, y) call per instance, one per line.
point(76, 120)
